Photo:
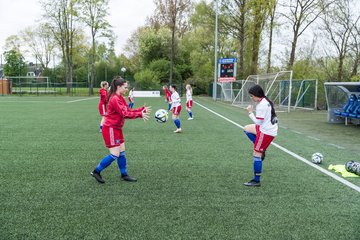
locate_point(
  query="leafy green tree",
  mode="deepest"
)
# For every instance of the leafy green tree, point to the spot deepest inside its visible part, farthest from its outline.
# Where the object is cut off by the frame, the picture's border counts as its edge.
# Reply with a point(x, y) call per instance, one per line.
point(15, 64)
point(147, 80)
point(93, 14)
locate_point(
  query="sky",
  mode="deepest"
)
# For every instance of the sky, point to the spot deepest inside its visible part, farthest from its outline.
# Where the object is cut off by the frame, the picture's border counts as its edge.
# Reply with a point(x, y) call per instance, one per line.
point(125, 17)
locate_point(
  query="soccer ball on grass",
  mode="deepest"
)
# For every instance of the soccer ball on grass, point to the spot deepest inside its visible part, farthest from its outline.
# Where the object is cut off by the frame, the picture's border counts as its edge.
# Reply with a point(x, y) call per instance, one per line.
point(161, 116)
point(317, 158)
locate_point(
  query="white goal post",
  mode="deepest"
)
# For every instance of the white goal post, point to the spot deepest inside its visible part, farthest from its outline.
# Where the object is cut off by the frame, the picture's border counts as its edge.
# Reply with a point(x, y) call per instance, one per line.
point(280, 87)
point(277, 87)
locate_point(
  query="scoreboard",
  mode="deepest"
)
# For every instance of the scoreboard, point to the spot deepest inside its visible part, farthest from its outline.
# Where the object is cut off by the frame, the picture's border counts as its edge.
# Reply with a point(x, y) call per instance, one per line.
point(227, 69)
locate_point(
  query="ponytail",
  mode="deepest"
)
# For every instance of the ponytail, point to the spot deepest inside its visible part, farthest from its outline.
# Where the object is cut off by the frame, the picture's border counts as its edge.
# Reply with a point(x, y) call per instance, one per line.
point(257, 91)
point(117, 81)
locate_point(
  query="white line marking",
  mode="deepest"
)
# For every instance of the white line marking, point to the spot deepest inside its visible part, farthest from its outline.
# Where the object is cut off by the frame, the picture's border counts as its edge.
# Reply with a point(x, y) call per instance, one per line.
point(330, 174)
point(337, 146)
point(314, 138)
point(296, 132)
point(83, 99)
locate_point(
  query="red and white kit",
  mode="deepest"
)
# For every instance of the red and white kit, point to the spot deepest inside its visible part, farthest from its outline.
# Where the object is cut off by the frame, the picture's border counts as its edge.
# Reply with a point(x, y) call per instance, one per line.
point(265, 130)
point(189, 101)
point(102, 102)
point(167, 95)
point(176, 103)
point(117, 112)
point(131, 96)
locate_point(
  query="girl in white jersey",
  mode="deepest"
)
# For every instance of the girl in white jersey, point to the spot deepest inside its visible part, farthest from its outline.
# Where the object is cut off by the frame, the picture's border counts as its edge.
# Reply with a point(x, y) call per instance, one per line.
point(189, 101)
point(175, 107)
point(262, 132)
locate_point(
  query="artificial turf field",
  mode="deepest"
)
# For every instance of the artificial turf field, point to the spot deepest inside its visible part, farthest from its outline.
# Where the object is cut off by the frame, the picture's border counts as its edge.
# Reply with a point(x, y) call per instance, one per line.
point(189, 184)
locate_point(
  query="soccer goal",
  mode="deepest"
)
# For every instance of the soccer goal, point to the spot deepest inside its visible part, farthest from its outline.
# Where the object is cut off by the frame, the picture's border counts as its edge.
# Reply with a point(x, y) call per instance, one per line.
point(285, 92)
point(30, 85)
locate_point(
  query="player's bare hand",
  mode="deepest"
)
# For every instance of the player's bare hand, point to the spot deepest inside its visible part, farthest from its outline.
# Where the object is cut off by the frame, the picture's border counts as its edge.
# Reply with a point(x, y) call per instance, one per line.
point(146, 113)
point(249, 108)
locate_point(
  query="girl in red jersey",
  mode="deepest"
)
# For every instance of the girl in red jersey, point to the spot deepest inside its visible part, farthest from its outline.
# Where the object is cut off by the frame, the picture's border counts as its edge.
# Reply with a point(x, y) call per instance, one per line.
point(117, 112)
point(167, 96)
point(103, 99)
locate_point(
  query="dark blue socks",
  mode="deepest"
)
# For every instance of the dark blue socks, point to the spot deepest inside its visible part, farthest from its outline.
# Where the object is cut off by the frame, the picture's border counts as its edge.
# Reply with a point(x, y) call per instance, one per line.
point(105, 162)
point(177, 122)
point(251, 136)
point(257, 168)
point(121, 161)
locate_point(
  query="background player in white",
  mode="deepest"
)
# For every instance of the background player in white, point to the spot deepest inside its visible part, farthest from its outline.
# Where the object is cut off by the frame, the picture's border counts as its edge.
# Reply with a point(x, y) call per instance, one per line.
point(263, 131)
point(175, 107)
point(189, 101)
point(131, 98)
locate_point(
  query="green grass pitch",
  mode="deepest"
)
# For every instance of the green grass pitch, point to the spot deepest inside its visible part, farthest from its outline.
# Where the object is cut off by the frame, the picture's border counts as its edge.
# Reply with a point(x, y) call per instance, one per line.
point(189, 184)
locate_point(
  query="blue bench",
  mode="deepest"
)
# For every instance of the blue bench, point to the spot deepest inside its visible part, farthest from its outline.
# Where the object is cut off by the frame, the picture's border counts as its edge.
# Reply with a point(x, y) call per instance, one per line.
point(351, 109)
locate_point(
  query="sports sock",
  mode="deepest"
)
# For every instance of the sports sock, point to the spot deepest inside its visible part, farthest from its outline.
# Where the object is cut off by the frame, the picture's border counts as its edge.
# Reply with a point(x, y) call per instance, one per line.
point(257, 168)
point(169, 106)
point(190, 114)
point(100, 127)
point(177, 122)
point(105, 162)
point(121, 161)
point(251, 136)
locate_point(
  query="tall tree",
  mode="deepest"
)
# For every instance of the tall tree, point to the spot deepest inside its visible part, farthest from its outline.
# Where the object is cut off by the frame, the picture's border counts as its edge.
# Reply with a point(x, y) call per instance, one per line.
point(93, 14)
point(338, 24)
point(355, 48)
point(272, 12)
point(302, 13)
point(60, 18)
point(41, 43)
point(175, 15)
point(15, 64)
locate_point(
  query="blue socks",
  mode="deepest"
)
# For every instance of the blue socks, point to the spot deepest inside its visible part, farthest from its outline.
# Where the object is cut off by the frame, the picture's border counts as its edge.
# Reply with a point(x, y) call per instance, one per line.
point(251, 136)
point(177, 122)
point(131, 105)
point(257, 168)
point(121, 161)
point(190, 113)
point(169, 106)
point(105, 162)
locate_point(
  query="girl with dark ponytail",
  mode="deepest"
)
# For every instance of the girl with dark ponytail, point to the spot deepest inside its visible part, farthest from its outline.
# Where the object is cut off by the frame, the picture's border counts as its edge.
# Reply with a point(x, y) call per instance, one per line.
point(117, 112)
point(263, 131)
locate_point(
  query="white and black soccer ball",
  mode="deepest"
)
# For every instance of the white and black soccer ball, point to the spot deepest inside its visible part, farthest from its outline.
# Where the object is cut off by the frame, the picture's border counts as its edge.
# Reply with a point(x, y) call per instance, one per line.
point(161, 116)
point(317, 158)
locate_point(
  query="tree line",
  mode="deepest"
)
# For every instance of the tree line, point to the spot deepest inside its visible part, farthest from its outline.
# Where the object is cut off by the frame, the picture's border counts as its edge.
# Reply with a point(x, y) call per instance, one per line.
point(314, 38)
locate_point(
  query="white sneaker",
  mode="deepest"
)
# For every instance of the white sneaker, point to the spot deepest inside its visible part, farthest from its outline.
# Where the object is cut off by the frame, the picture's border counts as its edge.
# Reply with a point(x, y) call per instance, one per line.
point(177, 130)
point(190, 118)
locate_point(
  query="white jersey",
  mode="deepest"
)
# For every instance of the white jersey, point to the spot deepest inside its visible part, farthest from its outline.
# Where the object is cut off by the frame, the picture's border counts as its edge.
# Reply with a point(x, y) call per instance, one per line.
point(175, 99)
point(188, 95)
point(131, 94)
point(263, 118)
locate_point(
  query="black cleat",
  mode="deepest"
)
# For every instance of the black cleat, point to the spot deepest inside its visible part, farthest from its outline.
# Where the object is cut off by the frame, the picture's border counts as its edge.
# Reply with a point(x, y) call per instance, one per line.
point(263, 156)
point(252, 183)
point(97, 176)
point(128, 178)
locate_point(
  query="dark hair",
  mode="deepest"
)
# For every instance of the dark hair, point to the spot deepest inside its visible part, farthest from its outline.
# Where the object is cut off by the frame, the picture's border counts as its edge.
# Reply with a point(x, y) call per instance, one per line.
point(117, 81)
point(257, 91)
point(173, 86)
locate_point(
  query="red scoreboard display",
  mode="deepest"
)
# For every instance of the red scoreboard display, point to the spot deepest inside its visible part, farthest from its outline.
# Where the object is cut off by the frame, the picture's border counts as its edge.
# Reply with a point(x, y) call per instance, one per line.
point(227, 69)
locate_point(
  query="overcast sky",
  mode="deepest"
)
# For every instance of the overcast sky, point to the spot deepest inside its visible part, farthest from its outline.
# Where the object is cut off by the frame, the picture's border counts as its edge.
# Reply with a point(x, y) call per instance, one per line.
point(125, 17)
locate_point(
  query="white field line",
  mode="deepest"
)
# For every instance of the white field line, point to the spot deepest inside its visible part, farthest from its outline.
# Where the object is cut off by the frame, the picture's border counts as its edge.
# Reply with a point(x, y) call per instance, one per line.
point(314, 138)
point(296, 132)
point(330, 174)
point(83, 99)
point(337, 146)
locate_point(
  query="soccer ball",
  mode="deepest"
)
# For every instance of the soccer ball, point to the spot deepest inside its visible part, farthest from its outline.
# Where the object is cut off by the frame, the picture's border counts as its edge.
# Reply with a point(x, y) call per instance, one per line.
point(348, 166)
point(317, 158)
point(161, 116)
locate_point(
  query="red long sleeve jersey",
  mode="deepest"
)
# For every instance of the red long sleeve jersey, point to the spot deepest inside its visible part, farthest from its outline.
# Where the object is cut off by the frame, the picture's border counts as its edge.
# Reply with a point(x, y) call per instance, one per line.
point(167, 95)
point(118, 110)
point(103, 96)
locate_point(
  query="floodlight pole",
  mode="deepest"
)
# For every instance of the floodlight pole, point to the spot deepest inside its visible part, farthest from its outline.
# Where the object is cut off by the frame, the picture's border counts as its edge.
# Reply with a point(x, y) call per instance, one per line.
point(216, 50)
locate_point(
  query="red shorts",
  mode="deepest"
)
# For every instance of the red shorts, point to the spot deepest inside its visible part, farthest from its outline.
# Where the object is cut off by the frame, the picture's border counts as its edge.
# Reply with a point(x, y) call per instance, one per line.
point(189, 104)
point(102, 109)
point(262, 141)
point(130, 99)
point(112, 137)
point(176, 110)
